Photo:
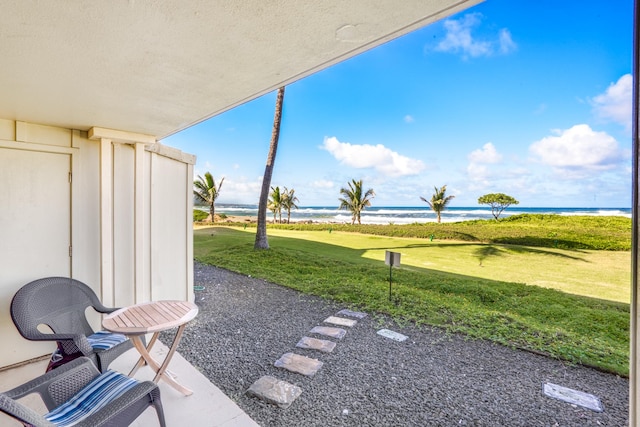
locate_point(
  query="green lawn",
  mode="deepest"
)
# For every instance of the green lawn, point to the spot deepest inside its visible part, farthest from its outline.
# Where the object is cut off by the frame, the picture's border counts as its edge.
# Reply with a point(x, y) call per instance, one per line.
point(483, 290)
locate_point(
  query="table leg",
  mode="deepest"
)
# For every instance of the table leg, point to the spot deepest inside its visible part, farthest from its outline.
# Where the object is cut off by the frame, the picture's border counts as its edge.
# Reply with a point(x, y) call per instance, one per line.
point(160, 370)
point(141, 362)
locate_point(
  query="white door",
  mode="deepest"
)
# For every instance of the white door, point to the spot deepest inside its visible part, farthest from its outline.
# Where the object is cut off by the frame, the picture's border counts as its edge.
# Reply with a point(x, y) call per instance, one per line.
point(35, 234)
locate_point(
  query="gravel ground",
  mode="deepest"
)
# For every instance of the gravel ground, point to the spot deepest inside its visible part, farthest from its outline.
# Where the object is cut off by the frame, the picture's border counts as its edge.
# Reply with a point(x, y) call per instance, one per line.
point(431, 379)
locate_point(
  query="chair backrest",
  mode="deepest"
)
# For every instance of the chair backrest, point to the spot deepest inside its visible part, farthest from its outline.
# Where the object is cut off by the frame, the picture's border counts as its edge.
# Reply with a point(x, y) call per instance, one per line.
point(58, 302)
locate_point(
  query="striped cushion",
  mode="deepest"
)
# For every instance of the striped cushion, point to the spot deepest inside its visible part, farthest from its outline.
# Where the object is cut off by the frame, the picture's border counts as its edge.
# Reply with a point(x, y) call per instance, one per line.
point(104, 340)
point(94, 396)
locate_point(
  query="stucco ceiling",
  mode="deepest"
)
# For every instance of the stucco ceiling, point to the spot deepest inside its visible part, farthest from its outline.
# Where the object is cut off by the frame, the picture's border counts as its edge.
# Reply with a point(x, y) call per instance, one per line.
point(157, 67)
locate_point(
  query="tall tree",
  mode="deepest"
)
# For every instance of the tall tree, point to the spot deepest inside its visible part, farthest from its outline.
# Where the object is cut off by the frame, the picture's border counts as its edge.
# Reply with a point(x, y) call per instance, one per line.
point(355, 200)
point(498, 202)
point(261, 234)
point(275, 203)
point(206, 191)
point(289, 200)
point(439, 200)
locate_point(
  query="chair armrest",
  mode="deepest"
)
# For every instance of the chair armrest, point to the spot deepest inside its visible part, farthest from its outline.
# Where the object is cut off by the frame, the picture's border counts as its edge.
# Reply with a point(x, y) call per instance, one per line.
point(21, 412)
point(124, 409)
point(99, 307)
point(80, 342)
point(60, 384)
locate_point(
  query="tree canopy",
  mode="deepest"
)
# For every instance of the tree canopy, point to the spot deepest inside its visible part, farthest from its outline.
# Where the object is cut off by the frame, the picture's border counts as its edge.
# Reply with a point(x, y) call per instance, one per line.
point(289, 200)
point(275, 202)
point(498, 202)
point(439, 200)
point(355, 200)
point(206, 191)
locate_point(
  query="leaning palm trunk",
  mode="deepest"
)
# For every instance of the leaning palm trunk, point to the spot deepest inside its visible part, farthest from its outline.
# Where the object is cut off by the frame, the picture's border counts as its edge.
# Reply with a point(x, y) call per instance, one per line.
point(261, 234)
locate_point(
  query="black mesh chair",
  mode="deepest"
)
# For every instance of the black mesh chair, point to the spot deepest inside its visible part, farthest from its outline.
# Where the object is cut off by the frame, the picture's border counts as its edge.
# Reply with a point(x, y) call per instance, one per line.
point(77, 394)
point(60, 303)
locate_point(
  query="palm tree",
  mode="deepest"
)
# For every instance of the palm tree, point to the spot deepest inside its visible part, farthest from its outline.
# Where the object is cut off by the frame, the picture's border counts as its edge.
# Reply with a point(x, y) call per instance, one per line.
point(261, 233)
point(354, 200)
point(206, 192)
point(438, 201)
point(275, 203)
point(289, 200)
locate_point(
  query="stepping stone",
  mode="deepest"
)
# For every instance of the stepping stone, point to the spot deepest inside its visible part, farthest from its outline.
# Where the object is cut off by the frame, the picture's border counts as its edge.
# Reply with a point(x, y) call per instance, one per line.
point(393, 335)
point(574, 397)
point(356, 314)
point(299, 364)
point(329, 331)
point(340, 321)
point(275, 391)
point(316, 344)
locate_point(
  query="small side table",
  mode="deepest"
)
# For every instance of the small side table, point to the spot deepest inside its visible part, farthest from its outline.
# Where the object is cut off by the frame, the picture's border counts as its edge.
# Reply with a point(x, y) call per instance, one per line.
point(153, 317)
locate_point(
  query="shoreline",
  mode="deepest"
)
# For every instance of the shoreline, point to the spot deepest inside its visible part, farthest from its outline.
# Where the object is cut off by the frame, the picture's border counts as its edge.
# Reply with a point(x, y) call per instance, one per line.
point(231, 219)
point(402, 215)
point(253, 219)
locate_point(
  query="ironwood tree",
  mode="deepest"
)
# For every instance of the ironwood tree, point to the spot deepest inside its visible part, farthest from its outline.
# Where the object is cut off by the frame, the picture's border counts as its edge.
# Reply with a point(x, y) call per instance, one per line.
point(498, 202)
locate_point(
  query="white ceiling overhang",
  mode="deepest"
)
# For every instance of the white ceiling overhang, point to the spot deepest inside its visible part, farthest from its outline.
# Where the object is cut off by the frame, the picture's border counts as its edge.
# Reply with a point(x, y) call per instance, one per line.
point(157, 67)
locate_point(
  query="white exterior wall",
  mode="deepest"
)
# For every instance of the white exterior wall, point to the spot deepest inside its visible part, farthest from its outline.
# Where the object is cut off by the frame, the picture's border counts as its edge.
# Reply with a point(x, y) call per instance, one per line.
point(126, 212)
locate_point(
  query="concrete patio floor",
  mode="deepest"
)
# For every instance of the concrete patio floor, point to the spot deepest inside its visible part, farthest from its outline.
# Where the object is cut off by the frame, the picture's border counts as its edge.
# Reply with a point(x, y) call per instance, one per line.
point(207, 406)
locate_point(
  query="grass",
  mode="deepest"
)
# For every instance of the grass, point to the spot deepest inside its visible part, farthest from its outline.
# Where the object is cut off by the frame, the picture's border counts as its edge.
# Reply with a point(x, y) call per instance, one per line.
point(444, 284)
point(550, 231)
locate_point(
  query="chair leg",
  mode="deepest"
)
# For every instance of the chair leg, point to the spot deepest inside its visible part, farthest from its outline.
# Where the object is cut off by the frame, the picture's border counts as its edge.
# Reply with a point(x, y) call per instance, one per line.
point(157, 405)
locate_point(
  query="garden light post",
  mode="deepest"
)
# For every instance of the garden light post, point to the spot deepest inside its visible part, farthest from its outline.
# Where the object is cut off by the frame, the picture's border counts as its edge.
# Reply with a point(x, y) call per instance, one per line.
point(391, 259)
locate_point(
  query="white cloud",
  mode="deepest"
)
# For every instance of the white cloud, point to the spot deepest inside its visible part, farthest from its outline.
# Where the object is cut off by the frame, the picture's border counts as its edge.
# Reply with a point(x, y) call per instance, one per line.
point(578, 149)
point(409, 119)
point(478, 176)
point(615, 104)
point(378, 157)
point(322, 183)
point(477, 170)
point(507, 45)
point(240, 190)
point(459, 38)
point(487, 154)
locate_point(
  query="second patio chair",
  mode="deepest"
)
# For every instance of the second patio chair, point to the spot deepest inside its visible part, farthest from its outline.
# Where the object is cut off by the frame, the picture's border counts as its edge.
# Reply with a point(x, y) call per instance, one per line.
point(76, 394)
point(60, 303)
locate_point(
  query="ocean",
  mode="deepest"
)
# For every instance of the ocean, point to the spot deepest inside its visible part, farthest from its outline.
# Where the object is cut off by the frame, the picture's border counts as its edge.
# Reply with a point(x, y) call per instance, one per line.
point(410, 215)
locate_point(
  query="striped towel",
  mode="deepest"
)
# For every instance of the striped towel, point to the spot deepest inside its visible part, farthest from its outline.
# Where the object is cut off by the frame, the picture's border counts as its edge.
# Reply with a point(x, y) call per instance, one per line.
point(103, 340)
point(102, 390)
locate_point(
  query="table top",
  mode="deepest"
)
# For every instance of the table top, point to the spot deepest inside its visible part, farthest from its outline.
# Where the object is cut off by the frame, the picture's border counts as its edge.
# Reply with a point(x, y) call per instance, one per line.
point(150, 317)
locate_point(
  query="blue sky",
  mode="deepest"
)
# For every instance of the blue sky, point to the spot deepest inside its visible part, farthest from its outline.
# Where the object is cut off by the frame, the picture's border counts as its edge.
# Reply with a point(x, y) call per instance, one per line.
point(528, 98)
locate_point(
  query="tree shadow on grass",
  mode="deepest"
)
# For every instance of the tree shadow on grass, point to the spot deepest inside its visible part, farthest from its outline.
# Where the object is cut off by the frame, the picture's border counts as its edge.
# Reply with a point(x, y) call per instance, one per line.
point(487, 250)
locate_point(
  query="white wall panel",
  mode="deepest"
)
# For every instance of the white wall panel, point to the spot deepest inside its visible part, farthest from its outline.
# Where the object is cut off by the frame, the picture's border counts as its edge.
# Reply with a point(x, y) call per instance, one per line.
point(169, 276)
point(35, 234)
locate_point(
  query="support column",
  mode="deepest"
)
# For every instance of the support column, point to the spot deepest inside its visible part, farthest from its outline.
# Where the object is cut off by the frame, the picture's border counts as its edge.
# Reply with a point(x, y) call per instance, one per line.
point(189, 233)
point(106, 222)
point(634, 360)
point(141, 293)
